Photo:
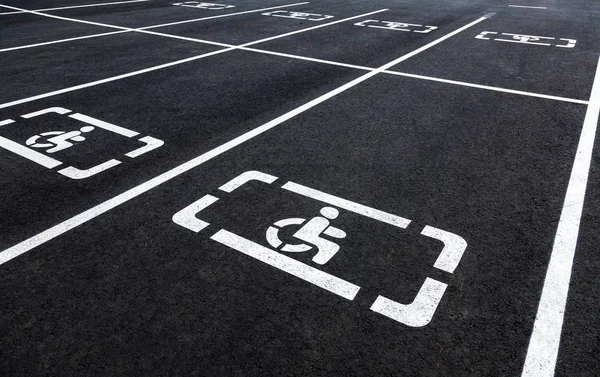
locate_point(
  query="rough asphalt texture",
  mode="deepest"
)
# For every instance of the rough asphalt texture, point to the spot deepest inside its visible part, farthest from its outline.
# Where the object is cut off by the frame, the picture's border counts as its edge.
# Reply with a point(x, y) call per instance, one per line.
point(131, 293)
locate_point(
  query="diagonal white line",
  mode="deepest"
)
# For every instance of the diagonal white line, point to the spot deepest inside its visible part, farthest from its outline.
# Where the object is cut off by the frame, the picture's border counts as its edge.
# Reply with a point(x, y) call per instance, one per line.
point(545, 338)
point(106, 206)
point(78, 6)
point(150, 69)
point(126, 30)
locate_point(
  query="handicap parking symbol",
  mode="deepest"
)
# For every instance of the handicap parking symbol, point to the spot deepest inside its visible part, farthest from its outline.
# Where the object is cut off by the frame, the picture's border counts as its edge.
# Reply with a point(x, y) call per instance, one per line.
point(320, 236)
point(38, 147)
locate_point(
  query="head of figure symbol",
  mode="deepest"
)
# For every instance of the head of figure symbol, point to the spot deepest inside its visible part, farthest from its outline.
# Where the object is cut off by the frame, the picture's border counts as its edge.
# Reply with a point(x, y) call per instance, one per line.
point(329, 212)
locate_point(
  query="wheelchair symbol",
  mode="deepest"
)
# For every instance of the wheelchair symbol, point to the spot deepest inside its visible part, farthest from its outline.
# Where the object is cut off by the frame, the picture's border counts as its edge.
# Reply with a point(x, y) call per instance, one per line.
point(59, 140)
point(310, 232)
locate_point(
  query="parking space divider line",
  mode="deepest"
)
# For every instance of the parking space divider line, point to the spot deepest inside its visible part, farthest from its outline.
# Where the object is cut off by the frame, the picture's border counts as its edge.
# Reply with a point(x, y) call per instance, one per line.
point(543, 347)
point(177, 62)
point(69, 224)
point(78, 6)
point(63, 40)
point(222, 15)
point(142, 29)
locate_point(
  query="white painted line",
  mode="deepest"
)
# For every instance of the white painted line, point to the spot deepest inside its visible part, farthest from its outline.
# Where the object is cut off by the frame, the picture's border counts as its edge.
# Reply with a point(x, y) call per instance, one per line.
point(135, 73)
point(56, 110)
point(74, 173)
point(127, 30)
point(151, 144)
point(110, 26)
point(79, 6)
point(114, 78)
point(527, 6)
point(106, 206)
point(348, 205)
point(6, 121)
point(487, 87)
point(545, 339)
point(429, 78)
point(28, 153)
point(312, 28)
point(105, 125)
point(223, 15)
point(246, 177)
point(187, 216)
point(418, 313)
point(454, 248)
point(305, 272)
point(63, 40)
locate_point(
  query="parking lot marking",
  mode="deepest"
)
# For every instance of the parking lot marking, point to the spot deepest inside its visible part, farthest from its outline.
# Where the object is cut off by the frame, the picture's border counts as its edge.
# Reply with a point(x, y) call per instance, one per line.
point(360, 209)
point(305, 272)
point(73, 222)
point(397, 26)
point(298, 15)
point(223, 15)
point(128, 30)
point(78, 6)
point(527, 39)
point(487, 87)
point(527, 6)
point(63, 40)
point(202, 5)
point(170, 64)
point(58, 140)
point(545, 338)
point(310, 232)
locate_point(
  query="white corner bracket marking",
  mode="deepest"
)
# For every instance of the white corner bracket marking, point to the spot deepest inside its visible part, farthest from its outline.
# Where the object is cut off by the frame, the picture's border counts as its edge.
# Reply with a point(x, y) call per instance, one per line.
point(418, 313)
point(454, 248)
point(187, 216)
point(245, 178)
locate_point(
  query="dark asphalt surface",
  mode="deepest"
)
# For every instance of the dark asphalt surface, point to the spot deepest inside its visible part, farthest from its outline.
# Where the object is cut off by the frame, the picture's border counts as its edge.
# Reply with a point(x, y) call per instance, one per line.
point(132, 293)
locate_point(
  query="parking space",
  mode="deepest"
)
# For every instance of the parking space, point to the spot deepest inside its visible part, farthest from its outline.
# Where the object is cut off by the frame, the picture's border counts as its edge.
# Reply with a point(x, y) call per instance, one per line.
point(505, 51)
point(163, 12)
point(24, 29)
point(152, 106)
point(309, 188)
point(373, 40)
point(456, 174)
point(43, 69)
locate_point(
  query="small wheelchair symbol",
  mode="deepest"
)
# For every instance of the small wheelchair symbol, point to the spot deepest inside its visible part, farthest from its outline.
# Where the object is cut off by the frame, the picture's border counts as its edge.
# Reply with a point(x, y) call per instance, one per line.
point(310, 232)
point(57, 140)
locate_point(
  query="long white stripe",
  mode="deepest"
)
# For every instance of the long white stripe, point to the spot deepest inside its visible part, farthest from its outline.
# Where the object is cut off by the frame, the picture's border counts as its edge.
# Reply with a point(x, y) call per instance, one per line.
point(114, 78)
point(292, 56)
point(150, 69)
point(106, 206)
point(63, 40)
point(127, 30)
point(487, 87)
point(223, 15)
point(526, 6)
point(78, 6)
point(545, 339)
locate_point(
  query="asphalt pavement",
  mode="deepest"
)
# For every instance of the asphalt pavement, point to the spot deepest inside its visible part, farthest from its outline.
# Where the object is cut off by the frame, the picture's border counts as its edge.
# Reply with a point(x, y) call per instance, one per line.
point(301, 188)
